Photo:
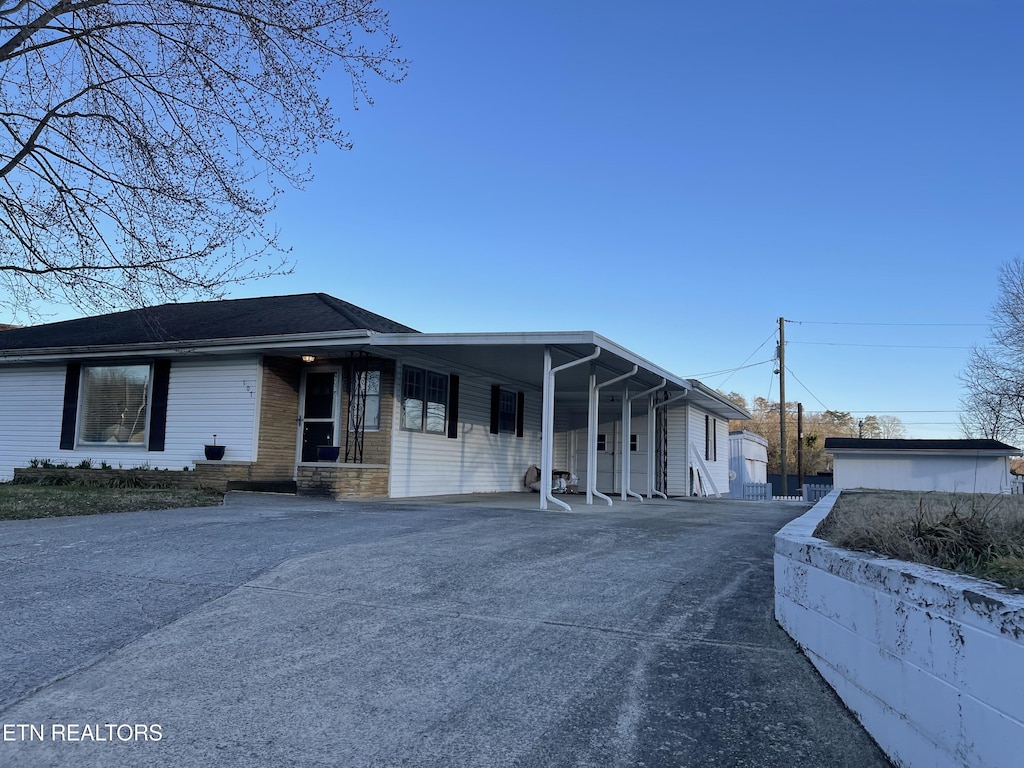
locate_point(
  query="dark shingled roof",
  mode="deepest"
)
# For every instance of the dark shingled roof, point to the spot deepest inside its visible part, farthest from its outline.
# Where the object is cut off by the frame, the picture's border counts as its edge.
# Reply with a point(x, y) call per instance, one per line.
point(855, 443)
point(204, 321)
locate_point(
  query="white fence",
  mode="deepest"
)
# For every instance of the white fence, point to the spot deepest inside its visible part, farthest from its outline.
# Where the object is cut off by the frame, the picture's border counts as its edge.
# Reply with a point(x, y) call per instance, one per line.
point(815, 493)
point(757, 491)
point(763, 492)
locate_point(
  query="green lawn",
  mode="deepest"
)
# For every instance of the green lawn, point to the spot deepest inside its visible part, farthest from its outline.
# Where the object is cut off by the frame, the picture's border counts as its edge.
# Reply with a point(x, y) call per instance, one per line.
point(27, 502)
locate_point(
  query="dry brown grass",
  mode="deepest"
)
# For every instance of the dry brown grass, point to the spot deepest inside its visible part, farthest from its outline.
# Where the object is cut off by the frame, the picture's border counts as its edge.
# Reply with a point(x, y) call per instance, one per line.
point(975, 534)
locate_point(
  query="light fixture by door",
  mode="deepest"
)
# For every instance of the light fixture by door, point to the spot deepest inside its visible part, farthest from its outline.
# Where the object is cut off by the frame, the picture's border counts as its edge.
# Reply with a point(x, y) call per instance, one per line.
point(309, 358)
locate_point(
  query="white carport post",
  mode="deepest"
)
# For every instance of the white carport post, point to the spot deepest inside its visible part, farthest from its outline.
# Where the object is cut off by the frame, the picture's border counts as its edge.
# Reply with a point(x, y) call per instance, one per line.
point(649, 394)
point(592, 435)
point(547, 432)
point(627, 412)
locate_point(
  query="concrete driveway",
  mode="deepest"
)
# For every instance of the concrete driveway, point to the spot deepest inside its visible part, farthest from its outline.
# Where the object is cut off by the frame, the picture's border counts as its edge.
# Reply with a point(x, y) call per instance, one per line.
point(290, 632)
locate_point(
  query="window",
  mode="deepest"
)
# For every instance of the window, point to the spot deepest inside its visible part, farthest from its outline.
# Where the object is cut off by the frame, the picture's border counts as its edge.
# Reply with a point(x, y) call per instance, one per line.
point(710, 438)
point(424, 400)
point(602, 441)
point(114, 404)
point(364, 401)
point(507, 411)
point(632, 443)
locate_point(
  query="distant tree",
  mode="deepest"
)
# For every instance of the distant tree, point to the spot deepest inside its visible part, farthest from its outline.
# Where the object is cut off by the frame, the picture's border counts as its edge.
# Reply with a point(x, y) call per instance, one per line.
point(881, 427)
point(145, 142)
point(992, 405)
point(817, 427)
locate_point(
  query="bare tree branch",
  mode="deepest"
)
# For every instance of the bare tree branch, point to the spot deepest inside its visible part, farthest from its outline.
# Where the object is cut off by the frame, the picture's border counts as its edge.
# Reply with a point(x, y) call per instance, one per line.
point(143, 143)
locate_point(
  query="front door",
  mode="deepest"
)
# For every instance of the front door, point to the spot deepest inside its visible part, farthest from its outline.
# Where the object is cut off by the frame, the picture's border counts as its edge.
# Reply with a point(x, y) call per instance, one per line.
point(320, 405)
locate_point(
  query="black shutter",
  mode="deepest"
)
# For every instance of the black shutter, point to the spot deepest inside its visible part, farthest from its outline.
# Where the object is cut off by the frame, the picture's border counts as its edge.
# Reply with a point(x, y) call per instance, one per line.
point(520, 418)
point(495, 404)
point(158, 407)
point(453, 406)
point(70, 419)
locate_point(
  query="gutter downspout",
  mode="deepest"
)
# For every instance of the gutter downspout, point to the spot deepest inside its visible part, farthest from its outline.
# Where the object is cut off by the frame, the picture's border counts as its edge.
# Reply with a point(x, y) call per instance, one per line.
point(592, 438)
point(649, 394)
point(548, 425)
point(663, 403)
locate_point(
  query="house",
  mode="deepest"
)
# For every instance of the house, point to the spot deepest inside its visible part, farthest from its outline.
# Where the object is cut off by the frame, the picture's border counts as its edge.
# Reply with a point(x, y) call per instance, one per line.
point(748, 461)
point(963, 466)
point(411, 413)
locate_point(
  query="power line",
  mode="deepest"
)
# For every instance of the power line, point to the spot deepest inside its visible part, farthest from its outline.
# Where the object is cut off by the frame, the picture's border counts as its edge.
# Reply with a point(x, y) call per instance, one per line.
point(728, 370)
point(790, 372)
point(887, 410)
point(881, 346)
point(893, 325)
point(770, 337)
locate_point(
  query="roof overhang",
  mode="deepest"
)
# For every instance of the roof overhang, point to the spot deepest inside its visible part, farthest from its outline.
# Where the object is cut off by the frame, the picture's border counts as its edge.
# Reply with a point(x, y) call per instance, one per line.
point(896, 452)
point(515, 358)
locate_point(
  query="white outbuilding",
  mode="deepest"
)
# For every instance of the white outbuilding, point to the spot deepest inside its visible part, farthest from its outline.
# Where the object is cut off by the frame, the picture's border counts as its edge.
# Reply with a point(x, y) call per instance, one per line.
point(748, 461)
point(961, 466)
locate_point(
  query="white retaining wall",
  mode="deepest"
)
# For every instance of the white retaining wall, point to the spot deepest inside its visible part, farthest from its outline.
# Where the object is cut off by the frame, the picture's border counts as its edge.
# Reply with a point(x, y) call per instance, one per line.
point(930, 662)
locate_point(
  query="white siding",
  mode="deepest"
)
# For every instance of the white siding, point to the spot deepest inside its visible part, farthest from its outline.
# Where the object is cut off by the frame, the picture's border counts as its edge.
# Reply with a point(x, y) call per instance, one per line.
point(210, 397)
point(205, 396)
point(960, 474)
point(31, 409)
point(685, 438)
point(425, 464)
point(718, 467)
point(561, 456)
point(676, 450)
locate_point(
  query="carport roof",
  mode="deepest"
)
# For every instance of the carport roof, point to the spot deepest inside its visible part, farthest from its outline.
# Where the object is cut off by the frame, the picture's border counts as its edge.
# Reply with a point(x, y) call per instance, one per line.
point(326, 327)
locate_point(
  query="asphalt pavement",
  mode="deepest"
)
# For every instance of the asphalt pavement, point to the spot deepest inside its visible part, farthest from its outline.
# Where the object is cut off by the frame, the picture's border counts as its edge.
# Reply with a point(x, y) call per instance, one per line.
point(276, 631)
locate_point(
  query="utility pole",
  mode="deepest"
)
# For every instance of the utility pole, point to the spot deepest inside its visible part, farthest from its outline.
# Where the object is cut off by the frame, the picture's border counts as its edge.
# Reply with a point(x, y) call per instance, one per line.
point(782, 403)
point(800, 446)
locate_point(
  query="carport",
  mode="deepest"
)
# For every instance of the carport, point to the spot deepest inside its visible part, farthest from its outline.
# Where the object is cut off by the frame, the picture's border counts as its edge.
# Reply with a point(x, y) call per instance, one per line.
point(580, 374)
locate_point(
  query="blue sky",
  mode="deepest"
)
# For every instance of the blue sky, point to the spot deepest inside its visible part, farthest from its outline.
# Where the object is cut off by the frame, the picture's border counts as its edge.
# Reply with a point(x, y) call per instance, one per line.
point(678, 175)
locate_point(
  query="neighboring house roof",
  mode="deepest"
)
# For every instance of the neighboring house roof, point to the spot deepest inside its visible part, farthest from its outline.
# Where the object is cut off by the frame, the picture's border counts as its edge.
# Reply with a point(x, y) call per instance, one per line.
point(202, 321)
point(8, 327)
point(870, 445)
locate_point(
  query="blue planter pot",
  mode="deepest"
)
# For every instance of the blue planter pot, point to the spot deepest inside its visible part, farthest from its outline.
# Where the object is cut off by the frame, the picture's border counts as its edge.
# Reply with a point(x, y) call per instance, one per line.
point(214, 452)
point(328, 452)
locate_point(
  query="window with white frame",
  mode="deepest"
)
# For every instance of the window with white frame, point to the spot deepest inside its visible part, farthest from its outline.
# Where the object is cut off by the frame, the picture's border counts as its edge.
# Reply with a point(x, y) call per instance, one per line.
point(424, 400)
point(364, 401)
point(114, 404)
point(506, 411)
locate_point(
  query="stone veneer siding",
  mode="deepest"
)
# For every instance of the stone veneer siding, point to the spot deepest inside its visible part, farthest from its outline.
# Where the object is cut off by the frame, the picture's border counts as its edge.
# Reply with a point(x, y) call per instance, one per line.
point(343, 481)
point(279, 414)
point(351, 480)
